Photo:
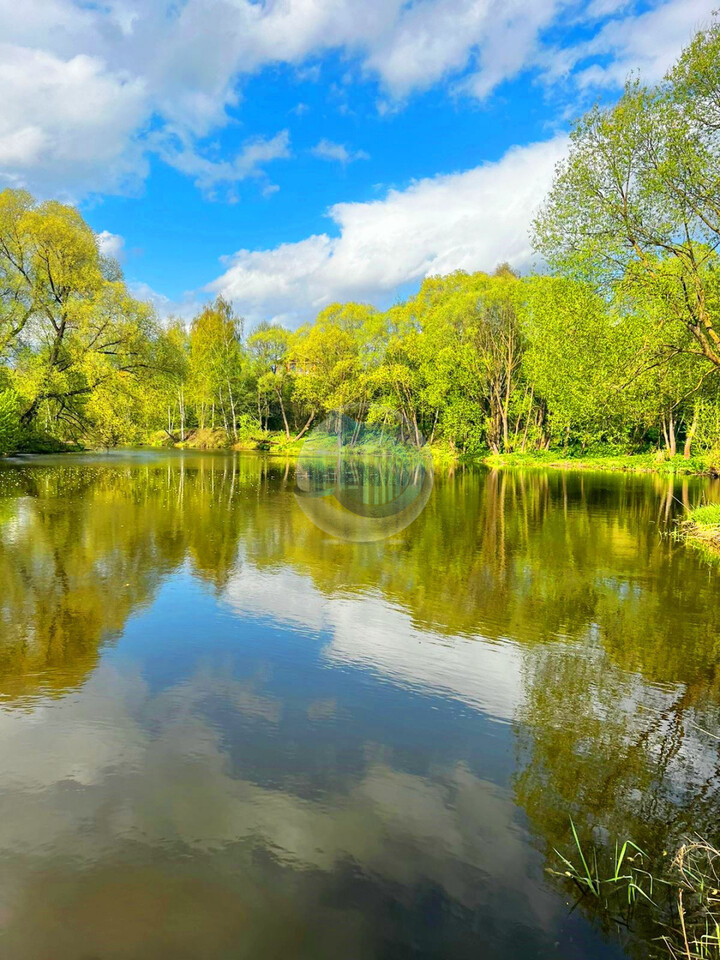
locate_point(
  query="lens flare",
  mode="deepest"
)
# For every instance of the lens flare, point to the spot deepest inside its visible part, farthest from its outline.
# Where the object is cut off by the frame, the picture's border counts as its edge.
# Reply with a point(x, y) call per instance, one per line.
point(363, 481)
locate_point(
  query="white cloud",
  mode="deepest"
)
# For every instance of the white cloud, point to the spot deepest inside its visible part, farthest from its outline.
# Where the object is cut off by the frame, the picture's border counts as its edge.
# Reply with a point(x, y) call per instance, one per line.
point(648, 43)
point(70, 124)
point(63, 761)
point(370, 633)
point(184, 309)
point(327, 150)
point(467, 221)
point(209, 173)
point(111, 244)
point(85, 82)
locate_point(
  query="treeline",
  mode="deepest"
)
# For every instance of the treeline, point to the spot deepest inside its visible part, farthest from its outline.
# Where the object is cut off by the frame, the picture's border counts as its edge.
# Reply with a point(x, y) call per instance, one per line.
point(619, 347)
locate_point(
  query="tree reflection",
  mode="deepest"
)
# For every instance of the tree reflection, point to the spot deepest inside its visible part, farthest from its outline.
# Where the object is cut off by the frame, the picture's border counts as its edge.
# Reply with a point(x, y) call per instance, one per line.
point(619, 626)
point(532, 557)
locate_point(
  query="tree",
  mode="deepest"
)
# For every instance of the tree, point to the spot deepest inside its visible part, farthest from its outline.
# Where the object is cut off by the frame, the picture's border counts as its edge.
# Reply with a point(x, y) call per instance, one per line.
point(68, 326)
point(456, 359)
point(216, 364)
point(175, 347)
point(325, 359)
point(9, 422)
point(269, 348)
point(636, 201)
point(600, 367)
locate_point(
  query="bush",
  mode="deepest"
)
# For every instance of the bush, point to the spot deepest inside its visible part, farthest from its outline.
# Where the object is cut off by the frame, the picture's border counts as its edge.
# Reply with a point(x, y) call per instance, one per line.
point(10, 431)
point(207, 438)
point(712, 460)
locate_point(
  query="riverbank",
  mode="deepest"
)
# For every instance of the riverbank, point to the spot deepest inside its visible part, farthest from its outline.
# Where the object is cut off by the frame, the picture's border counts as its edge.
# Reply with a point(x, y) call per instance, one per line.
point(276, 444)
point(628, 463)
point(270, 443)
point(701, 527)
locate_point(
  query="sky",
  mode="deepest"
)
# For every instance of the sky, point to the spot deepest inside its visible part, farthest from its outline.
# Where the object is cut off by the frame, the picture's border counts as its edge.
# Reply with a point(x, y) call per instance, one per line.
point(291, 153)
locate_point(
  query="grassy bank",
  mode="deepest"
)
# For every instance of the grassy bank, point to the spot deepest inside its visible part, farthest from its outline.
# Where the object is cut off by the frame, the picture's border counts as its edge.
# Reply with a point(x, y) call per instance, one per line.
point(701, 527)
point(271, 443)
point(276, 444)
point(630, 463)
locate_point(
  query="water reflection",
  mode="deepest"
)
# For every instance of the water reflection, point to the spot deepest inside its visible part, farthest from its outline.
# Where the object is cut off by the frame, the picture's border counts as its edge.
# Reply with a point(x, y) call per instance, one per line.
point(361, 498)
point(225, 734)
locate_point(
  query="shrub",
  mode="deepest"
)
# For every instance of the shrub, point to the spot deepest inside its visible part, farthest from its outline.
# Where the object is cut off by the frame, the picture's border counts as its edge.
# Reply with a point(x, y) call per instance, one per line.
point(10, 431)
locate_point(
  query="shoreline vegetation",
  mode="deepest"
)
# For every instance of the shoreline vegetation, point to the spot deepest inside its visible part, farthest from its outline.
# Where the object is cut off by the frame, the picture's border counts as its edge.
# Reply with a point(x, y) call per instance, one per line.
point(443, 455)
point(655, 461)
point(675, 899)
point(701, 528)
point(275, 443)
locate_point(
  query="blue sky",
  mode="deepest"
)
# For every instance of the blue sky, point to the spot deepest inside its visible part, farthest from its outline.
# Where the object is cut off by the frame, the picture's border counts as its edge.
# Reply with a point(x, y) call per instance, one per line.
point(289, 153)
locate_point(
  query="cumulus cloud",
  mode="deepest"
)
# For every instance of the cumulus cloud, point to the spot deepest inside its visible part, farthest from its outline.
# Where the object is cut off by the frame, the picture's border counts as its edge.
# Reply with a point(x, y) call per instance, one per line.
point(68, 124)
point(327, 150)
point(466, 221)
point(111, 244)
point(87, 82)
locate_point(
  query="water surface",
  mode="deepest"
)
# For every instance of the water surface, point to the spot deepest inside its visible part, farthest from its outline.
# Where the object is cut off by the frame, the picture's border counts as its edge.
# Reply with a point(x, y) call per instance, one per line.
point(225, 734)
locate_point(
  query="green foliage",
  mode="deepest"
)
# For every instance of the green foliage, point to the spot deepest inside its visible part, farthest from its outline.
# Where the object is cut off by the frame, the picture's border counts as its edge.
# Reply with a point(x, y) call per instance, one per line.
point(708, 515)
point(597, 459)
point(71, 336)
point(9, 422)
point(701, 527)
point(634, 205)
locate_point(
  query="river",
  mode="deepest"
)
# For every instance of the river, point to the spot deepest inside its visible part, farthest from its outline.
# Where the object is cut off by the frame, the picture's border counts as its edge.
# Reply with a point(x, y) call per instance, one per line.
point(225, 733)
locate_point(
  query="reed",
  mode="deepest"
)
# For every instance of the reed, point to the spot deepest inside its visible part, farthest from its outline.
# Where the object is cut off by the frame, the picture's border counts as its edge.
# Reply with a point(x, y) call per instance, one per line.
point(680, 897)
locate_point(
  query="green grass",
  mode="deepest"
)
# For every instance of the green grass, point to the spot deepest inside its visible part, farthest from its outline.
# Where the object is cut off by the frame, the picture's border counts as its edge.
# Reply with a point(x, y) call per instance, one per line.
point(701, 528)
point(707, 515)
point(625, 875)
point(678, 898)
point(627, 462)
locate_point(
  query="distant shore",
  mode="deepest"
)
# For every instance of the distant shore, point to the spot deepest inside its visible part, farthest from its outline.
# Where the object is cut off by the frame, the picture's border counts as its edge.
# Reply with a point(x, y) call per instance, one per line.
point(276, 444)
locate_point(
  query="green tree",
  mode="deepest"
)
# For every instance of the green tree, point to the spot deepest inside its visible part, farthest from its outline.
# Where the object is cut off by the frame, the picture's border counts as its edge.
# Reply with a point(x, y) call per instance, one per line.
point(268, 347)
point(636, 201)
point(68, 326)
point(216, 365)
point(324, 357)
point(9, 422)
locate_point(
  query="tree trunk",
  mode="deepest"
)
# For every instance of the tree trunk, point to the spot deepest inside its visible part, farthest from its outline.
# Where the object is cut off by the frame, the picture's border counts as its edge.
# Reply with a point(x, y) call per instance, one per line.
point(417, 431)
point(432, 435)
point(223, 411)
point(282, 411)
point(181, 410)
point(232, 410)
point(671, 435)
point(690, 436)
point(304, 429)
